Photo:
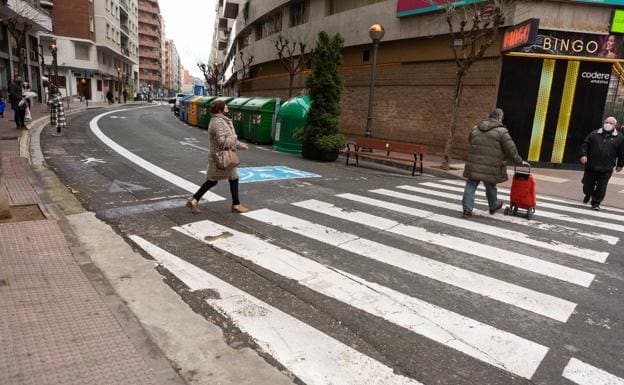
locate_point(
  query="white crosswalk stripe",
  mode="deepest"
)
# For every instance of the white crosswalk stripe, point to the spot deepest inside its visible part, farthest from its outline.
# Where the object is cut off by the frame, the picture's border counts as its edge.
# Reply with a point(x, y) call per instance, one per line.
point(568, 231)
point(592, 255)
point(581, 373)
point(507, 257)
point(483, 342)
point(514, 295)
point(314, 357)
point(541, 213)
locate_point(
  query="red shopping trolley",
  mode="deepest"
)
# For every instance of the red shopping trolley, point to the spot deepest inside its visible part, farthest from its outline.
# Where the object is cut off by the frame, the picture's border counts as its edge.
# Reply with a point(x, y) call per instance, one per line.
point(523, 196)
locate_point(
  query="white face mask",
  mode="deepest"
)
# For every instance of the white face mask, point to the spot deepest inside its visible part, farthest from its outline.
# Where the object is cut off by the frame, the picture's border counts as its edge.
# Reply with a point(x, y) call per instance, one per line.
point(607, 127)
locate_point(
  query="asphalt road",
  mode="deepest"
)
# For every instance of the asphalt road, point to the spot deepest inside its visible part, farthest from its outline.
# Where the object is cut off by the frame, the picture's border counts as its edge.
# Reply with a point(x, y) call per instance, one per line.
point(359, 275)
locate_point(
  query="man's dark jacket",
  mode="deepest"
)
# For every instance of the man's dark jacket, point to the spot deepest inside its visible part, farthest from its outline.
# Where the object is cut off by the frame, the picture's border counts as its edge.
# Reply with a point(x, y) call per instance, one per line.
point(15, 93)
point(602, 149)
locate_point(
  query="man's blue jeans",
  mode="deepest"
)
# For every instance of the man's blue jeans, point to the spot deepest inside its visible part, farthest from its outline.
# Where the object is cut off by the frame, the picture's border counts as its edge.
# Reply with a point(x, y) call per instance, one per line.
point(469, 194)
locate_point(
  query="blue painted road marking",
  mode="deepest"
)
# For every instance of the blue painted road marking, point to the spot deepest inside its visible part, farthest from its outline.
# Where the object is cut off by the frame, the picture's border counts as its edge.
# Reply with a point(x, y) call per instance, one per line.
point(268, 173)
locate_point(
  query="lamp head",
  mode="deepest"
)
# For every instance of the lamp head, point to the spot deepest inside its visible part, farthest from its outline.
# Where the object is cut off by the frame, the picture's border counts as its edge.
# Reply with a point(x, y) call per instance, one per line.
point(53, 47)
point(376, 32)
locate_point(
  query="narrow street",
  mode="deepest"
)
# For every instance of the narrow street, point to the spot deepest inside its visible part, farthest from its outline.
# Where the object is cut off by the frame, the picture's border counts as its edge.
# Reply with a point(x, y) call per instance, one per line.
point(350, 274)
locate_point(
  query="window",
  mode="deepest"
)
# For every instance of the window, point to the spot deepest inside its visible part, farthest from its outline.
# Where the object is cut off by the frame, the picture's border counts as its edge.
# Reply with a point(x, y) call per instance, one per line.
point(99, 85)
point(108, 31)
point(91, 24)
point(337, 6)
point(299, 12)
point(268, 25)
point(366, 56)
point(81, 51)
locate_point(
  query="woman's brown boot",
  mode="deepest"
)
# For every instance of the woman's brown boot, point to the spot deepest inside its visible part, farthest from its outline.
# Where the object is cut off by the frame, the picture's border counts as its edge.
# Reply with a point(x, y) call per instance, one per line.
point(191, 203)
point(239, 209)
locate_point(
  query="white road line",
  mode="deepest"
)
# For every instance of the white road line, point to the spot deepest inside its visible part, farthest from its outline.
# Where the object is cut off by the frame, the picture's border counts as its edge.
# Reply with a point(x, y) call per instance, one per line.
point(483, 342)
point(495, 289)
point(548, 214)
point(159, 172)
point(480, 250)
point(592, 255)
point(314, 357)
point(568, 231)
point(541, 198)
point(584, 374)
point(552, 179)
point(194, 146)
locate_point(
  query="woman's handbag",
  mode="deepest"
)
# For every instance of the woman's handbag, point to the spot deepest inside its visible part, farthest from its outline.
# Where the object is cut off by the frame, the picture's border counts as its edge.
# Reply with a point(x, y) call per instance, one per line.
point(28, 116)
point(227, 159)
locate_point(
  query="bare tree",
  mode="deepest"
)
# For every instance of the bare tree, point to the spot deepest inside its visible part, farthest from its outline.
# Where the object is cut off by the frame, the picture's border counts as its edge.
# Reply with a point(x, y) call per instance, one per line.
point(246, 64)
point(473, 30)
point(294, 56)
point(213, 75)
point(19, 25)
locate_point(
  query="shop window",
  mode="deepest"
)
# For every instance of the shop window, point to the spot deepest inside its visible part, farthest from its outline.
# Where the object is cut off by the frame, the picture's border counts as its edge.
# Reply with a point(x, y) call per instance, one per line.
point(81, 51)
point(299, 12)
point(337, 6)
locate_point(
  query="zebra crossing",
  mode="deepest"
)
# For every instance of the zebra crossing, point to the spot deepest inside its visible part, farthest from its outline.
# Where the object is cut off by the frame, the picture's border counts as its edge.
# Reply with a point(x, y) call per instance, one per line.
point(412, 228)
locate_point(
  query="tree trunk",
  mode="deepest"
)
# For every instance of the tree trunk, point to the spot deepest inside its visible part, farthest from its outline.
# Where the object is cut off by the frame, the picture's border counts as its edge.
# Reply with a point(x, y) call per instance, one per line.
point(448, 146)
point(4, 201)
point(290, 85)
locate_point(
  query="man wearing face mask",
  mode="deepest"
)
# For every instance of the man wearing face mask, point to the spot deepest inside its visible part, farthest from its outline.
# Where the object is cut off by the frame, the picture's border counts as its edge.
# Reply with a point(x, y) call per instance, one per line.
point(602, 150)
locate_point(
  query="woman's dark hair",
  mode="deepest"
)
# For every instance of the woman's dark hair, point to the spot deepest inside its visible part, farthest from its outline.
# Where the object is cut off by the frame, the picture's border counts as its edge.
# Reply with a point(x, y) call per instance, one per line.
point(217, 107)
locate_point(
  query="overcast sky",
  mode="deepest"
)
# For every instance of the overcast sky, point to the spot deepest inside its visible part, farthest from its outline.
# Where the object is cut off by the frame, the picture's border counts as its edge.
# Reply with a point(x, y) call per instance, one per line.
point(190, 23)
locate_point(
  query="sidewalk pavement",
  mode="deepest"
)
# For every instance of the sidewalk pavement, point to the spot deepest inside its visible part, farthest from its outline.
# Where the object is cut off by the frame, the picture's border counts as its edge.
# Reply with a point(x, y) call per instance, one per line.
point(55, 325)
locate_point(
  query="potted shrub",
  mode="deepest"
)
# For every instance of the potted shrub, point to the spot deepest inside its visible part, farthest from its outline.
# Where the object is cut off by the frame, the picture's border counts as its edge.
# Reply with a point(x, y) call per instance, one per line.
point(321, 139)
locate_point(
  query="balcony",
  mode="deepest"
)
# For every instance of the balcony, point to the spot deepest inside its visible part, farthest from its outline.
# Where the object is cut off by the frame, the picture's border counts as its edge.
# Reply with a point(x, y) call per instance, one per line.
point(150, 20)
point(147, 53)
point(124, 6)
point(150, 66)
point(148, 43)
point(146, 8)
point(150, 77)
point(231, 10)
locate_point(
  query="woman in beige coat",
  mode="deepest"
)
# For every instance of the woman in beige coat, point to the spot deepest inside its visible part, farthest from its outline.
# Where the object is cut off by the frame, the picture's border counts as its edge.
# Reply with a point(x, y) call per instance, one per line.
point(221, 135)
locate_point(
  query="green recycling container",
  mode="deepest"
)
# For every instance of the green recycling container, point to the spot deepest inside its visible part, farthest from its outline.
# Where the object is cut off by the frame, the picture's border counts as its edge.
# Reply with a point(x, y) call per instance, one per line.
point(204, 111)
point(292, 117)
point(262, 114)
point(238, 117)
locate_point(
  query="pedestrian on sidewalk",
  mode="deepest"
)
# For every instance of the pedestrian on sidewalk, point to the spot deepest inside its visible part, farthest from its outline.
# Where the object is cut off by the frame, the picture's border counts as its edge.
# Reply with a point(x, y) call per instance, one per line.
point(2, 107)
point(125, 96)
point(57, 111)
point(16, 99)
point(602, 150)
point(490, 147)
point(221, 137)
point(109, 96)
point(29, 96)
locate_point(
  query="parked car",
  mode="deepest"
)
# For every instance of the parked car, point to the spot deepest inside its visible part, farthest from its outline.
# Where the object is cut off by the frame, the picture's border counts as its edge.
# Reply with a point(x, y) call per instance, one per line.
point(176, 105)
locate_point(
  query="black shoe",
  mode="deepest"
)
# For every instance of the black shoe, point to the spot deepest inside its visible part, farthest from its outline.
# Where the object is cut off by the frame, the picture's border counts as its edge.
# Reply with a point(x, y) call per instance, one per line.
point(498, 207)
point(596, 207)
point(586, 199)
point(466, 214)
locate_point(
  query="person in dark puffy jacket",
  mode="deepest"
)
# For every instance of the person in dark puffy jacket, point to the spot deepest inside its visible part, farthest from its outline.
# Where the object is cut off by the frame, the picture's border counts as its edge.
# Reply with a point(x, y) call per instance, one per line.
point(490, 147)
point(602, 150)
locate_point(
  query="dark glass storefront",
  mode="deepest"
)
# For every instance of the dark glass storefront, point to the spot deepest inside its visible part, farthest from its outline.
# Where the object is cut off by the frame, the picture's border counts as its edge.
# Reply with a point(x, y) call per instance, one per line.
point(552, 104)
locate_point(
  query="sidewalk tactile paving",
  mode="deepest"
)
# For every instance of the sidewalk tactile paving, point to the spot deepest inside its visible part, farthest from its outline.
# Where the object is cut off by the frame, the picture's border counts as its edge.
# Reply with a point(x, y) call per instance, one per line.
point(54, 327)
point(21, 192)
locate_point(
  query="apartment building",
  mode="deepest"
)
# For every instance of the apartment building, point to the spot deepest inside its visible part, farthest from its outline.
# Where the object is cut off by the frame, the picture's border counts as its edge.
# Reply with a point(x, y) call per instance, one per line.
point(570, 44)
point(173, 68)
point(37, 15)
point(223, 35)
point(150, 46)
point(97, 47)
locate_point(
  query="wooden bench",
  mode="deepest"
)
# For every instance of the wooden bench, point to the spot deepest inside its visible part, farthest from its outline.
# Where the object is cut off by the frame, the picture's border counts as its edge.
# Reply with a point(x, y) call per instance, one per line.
point(384, 149)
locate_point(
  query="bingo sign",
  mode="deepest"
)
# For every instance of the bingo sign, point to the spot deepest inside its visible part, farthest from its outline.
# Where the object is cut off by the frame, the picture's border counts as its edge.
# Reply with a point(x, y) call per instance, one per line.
point(238, 116)
point(414, 7)
point(257, 119)
point(269, 173)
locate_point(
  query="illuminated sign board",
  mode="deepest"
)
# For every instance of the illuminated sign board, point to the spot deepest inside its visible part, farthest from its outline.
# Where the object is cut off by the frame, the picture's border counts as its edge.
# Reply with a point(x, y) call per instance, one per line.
point(522, 34)
point(605, 2)
point(617, 23)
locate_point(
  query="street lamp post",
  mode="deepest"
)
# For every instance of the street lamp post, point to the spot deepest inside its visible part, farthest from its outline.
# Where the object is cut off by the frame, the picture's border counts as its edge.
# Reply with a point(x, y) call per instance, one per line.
point(376, 33)
point(54, 51)
point(118, 85)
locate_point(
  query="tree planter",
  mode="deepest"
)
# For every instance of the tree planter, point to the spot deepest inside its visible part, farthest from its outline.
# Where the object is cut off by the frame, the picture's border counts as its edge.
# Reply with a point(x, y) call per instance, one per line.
point(310, 152)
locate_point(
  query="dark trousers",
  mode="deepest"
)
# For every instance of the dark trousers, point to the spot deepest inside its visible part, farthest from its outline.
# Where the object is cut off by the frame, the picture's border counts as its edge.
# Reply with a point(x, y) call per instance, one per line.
point(595, 185)
point(20, 116)
point(211, 183)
